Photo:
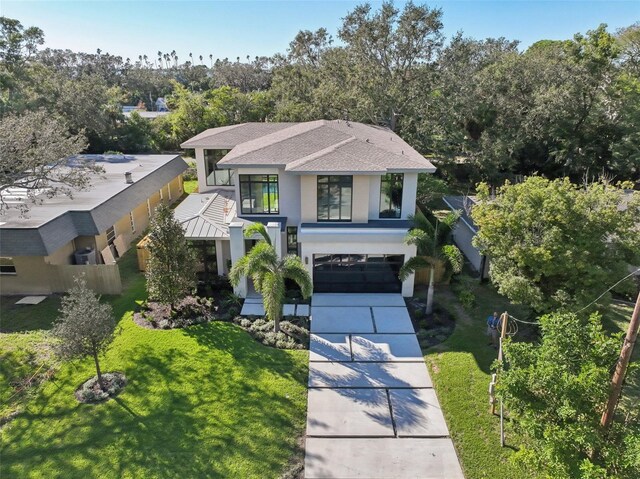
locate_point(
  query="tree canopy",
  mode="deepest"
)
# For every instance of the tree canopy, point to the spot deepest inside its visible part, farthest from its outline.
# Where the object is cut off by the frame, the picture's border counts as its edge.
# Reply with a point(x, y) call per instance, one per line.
point(553, 243)
point(170, 273)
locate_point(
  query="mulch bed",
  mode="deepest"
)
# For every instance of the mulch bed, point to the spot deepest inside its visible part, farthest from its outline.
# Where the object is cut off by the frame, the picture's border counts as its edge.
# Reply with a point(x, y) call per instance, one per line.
point(430, 329)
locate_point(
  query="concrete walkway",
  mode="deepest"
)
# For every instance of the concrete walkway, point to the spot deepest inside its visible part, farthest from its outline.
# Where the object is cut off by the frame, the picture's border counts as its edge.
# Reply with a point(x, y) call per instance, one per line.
point(372, 411)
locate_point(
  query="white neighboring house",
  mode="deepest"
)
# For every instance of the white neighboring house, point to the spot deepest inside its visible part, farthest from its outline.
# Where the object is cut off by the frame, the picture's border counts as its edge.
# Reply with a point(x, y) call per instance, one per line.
point(464, 232)
point(336, 193)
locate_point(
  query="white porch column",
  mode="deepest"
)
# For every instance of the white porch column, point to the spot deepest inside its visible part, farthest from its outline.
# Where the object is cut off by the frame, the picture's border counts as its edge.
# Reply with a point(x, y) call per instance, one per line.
point(236, 235)
point(219, 257)
point(273, 229)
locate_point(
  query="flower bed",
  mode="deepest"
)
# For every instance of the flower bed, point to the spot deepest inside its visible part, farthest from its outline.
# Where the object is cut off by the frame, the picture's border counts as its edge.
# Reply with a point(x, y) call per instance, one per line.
point(294, 333)
point(191, 310)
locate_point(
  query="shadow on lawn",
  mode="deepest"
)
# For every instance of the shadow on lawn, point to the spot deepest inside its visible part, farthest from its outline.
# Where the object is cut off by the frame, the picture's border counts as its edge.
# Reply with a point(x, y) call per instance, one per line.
point(164, 425)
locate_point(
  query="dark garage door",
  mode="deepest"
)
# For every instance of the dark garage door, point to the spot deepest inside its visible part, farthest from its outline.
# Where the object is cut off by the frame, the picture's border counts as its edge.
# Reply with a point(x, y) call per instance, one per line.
point(356, 273)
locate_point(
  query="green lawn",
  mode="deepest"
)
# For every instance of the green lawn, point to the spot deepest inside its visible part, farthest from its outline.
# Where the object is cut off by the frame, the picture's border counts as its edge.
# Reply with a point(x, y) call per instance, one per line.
point(460, 369)
point(207, 401)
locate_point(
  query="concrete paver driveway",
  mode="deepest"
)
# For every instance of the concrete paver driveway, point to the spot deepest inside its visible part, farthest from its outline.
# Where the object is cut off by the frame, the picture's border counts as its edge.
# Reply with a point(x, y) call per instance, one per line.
point(372, 411)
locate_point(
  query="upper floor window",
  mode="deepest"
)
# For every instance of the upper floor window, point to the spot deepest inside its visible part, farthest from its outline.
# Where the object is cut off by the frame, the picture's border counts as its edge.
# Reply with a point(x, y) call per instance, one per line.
point(259, 194)
point(391, 195)
point(215, 175)
point(7, 266)
point(334, 197)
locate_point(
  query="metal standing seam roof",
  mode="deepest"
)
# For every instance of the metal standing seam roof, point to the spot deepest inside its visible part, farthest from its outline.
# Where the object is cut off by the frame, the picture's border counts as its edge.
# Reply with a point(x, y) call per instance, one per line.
point(319, 146)
point(207, 215)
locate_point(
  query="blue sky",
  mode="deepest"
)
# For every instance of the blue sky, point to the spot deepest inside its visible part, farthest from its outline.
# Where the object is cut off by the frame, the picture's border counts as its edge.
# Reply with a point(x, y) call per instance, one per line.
point(240, 28)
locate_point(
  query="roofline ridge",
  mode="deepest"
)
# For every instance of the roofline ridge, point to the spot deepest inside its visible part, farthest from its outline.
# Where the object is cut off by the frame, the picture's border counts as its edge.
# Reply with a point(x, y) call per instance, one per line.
point(244, 148)
point(320, 153)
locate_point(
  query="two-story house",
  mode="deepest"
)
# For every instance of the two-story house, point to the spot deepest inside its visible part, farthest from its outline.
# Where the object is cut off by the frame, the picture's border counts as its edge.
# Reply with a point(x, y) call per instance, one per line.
point(336, 193)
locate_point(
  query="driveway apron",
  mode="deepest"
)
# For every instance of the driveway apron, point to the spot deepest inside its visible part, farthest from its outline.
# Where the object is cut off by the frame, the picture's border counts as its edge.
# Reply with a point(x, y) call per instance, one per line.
point(372, 410)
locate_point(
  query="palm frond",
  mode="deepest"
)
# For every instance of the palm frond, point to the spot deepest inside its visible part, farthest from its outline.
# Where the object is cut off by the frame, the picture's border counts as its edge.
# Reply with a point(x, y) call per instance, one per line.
point(257, 229)
point(238, 270)
point(453, 256)
point(421, 222)
point(293, 269)
point(412, 265)
point(421, 239)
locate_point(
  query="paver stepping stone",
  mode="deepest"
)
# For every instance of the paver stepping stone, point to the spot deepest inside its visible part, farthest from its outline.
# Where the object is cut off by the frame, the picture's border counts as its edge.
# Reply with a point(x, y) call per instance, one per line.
point(253, 299)
point(417, 412)
point(385, 347)
point(369, 375)
point(349, 412)
point(303, 310)
point(350, 299)
point(288, 309)
point(381, 458)
point(252, 309)
point(341, 320)
point(329, 347)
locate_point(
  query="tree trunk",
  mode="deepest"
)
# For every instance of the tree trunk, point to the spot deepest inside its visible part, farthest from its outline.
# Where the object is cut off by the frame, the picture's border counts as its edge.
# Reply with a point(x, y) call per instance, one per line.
point(95, 358)
point(430, 292)
point(276, 322)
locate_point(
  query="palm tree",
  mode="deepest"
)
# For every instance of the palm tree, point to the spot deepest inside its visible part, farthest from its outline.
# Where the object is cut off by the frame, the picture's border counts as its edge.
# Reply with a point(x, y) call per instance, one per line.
point(269, 273)
point(430, 237)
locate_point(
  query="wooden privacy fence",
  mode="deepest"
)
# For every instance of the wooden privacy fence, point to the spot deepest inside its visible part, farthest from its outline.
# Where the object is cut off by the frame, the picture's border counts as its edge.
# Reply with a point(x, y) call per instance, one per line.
point(101, 278)
point(422, 275)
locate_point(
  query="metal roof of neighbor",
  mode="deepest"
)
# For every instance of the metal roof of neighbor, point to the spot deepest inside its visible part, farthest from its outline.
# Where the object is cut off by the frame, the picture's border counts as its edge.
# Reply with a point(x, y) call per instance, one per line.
point(56, 221)
point(321, 146)
point(207, 215)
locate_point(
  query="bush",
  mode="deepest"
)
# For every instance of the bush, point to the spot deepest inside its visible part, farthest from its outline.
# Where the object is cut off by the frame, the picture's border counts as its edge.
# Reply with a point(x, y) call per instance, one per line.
point(190, 310)
point(90, 391)
point(291, 336)
point(191, 173)
point(467, 299)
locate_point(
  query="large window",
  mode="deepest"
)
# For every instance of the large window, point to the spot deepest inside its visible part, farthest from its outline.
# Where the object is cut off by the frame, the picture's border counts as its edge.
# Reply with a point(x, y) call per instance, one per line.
point(7, 266)
point(391, 195)
point(215, 175)
point(259, 194)
point(334, 198)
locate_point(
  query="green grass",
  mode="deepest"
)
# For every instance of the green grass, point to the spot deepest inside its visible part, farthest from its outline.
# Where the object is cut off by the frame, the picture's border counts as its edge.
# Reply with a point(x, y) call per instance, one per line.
point(461, 371)
point(207, 401)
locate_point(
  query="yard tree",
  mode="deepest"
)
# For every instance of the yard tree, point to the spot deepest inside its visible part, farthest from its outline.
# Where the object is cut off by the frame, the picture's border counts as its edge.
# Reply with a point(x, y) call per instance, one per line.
point(35, 150)
point(554, 243)
point(269, 273)
point(170, 269)
point(85, 327)
point(431, 237)
point(555, 391)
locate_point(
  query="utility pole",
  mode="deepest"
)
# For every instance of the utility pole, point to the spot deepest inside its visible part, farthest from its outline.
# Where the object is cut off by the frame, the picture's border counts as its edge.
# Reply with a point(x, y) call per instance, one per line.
point(494, 379)
point(622, 365)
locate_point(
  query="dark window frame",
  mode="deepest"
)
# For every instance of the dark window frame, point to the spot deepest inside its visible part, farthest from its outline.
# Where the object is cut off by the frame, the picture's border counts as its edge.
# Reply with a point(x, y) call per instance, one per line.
point(339, 182)
point(217, 156)
point(247, 180)
point(292, 246)
point(388, 180)
point(7, 266)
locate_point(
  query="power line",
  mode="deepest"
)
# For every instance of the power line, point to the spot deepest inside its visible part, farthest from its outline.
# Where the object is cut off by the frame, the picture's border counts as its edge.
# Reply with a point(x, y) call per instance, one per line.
point(609, 289)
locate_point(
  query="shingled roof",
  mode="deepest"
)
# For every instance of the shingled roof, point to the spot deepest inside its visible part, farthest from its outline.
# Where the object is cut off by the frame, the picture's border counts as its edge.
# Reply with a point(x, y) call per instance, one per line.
point(320, 146)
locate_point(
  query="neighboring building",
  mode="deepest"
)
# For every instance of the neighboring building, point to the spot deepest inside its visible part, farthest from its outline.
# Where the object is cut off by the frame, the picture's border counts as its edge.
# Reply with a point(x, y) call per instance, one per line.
point(336, 193)
point(464, 232)
point(63, 237)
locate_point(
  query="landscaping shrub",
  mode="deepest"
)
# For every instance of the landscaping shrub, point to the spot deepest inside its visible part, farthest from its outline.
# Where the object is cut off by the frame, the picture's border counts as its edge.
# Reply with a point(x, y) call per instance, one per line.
point(290, 336)
point(190, 310)
point(467, 299)
point(90, 391)
point(191, 173)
